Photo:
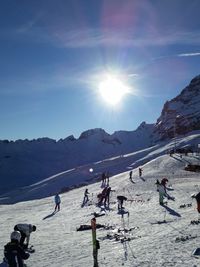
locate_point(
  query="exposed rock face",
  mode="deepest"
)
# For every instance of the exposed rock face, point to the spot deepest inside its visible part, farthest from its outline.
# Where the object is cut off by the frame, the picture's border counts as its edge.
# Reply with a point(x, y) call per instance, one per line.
point(182, 114)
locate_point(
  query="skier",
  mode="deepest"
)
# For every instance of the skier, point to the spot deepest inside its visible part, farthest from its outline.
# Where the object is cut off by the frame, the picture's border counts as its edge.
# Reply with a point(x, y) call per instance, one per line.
point(85, 200)
point(107, 196)
point(13, 252)
point(140, 172)
point(25, 231)
point(161, 188)
point(108, 178)
point(103, 178)
point(162, 192)
point(102, 196)
point(130, 175)
point(57, 202)
point(197, 197)
point(120, 200)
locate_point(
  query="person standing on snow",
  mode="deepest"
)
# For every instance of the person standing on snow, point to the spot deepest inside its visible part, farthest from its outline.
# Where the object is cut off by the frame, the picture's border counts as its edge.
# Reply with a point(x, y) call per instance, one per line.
point(161, 188)
point(140, 172)
point(86, 199)
point(197, 197)
point(103, 179)
point(14, 254)
point(57, 202)
point(107, 197)
point(102, 196)
point(130, 175)
point(25, 231)
point(108, 178)
point(121, 200)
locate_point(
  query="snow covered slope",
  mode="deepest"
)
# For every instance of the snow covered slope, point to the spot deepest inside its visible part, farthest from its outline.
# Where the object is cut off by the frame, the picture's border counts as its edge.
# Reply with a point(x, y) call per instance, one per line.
point(81, 175)
point(152, 244)
point(23, 162)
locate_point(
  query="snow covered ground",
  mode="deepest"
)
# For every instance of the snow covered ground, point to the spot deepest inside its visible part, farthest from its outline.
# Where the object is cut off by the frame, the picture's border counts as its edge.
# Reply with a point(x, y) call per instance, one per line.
point(80, 175)
point(57, 242)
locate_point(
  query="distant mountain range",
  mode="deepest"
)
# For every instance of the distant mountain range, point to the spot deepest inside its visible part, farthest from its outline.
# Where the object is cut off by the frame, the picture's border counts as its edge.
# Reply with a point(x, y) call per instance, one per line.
point(24, 162)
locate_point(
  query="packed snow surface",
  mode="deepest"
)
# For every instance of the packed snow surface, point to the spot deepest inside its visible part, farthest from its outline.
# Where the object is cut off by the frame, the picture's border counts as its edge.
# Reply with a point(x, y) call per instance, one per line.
point(152, 244)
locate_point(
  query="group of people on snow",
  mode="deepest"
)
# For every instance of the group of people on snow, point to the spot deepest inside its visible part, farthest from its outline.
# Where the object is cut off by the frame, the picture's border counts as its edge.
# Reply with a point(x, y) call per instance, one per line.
point(18, 250)
point(140, 172)
point(105, 178)
point(15, 251)
point(104, 196)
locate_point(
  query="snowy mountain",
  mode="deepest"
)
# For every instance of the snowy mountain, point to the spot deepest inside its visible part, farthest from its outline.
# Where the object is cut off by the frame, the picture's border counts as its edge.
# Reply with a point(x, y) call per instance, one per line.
point(151, 236)
point(91, 172)
point(182, 114)
point(24, 162)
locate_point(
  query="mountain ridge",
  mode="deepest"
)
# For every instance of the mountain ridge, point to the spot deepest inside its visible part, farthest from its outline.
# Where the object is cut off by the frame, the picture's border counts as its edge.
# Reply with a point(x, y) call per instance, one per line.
point(23, 162)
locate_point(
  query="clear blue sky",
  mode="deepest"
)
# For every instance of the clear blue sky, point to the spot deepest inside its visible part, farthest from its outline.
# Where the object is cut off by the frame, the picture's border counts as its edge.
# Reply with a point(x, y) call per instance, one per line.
point(53, 54)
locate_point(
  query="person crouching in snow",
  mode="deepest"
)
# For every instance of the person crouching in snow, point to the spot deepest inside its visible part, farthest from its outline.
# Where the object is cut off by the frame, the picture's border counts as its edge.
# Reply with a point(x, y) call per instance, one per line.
point(57, 202)
point(14, 254)
point(25, 231)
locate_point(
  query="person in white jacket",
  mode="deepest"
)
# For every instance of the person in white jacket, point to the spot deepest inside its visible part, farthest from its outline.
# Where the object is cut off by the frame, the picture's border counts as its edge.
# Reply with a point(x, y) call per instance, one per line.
point(25, 230)
point(162, 193)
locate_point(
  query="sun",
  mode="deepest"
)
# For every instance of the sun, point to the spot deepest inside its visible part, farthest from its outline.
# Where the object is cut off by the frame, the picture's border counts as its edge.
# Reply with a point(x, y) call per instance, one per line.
point(112, 90)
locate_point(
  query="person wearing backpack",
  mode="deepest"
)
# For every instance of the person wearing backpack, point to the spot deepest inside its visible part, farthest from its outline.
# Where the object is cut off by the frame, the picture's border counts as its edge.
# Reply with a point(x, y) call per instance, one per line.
point(13, 252)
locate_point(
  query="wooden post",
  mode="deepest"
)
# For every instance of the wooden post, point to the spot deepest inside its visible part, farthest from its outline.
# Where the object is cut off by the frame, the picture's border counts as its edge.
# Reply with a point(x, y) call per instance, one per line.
point(94, 242)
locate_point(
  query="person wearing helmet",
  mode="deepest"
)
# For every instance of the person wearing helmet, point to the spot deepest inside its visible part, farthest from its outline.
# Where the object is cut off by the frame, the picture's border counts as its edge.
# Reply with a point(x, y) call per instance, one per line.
point(13, 252)
point(25, 231)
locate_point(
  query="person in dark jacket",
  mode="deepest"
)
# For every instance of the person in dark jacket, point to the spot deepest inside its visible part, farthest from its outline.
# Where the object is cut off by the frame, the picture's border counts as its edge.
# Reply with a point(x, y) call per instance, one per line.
point(107, 197)
point(197, 197)
point(86, 199)
point(140, 172)
point(121, 200)
point(14, 253)
point(102, 196)
point(25, 231)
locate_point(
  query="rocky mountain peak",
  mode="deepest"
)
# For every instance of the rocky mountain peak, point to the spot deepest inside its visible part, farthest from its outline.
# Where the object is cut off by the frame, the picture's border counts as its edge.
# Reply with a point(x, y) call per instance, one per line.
point(181, 114)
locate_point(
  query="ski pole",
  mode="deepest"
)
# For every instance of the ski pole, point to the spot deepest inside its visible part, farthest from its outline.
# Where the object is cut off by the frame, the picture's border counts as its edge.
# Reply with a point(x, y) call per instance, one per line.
point(94, 242)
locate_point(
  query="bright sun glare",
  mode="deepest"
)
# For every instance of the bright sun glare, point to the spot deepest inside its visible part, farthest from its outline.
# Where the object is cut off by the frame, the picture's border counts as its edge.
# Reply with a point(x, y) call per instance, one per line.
point(112, 90)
